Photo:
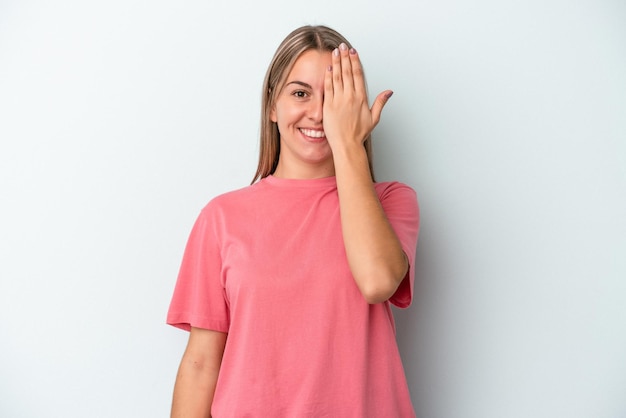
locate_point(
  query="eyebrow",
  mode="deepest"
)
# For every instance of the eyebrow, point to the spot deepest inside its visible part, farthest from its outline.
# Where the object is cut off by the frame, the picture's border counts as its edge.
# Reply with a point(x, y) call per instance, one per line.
point(301, 83)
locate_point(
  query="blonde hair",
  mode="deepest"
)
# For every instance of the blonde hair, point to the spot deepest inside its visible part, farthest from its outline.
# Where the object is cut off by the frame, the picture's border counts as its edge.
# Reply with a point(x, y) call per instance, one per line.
point(305, 38)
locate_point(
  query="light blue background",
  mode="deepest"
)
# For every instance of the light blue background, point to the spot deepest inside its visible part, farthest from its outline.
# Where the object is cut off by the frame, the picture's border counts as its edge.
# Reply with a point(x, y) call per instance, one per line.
point(119, 120)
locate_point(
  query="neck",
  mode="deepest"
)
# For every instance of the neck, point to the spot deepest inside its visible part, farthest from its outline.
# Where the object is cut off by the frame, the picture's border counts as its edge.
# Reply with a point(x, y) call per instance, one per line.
point(304, 171)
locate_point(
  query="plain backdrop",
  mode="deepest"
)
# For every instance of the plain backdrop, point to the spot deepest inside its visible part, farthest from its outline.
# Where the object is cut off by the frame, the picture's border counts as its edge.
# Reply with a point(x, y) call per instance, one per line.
point(119, 120)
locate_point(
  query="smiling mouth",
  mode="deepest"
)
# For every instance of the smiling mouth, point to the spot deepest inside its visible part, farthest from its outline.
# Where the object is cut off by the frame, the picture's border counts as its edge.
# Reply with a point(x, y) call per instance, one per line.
point(312, 133)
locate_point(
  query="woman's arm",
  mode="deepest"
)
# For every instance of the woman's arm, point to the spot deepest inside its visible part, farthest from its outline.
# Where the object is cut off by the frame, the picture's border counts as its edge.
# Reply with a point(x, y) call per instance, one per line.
point(374, 252)
point(377, 261)
point(197, 374)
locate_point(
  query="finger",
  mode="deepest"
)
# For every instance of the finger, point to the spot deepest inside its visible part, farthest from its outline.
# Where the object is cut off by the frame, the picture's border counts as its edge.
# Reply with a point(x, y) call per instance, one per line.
point(346, 68)
point(357, 73)
point(328, 85)
point(379, 103)
point(337, 80)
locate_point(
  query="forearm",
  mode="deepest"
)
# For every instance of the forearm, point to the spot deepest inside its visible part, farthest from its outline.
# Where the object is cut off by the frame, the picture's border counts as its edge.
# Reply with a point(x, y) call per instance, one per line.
point(374, 252)
point(197, 374)
point(193, 391)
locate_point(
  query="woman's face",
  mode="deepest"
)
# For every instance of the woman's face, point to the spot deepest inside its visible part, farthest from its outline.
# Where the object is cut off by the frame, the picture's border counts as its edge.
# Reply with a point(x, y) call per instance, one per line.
point(304, 151)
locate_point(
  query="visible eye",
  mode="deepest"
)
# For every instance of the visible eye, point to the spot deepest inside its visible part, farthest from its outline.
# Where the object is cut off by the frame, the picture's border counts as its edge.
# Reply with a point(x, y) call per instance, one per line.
point(300, 94)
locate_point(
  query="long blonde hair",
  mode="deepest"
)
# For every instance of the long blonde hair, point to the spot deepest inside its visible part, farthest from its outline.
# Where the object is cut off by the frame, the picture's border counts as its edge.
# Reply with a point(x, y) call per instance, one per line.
point(321, 38)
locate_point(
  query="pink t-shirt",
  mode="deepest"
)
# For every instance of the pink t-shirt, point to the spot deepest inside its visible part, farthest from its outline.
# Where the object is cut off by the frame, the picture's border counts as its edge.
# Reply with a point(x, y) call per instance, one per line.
point(267, 265)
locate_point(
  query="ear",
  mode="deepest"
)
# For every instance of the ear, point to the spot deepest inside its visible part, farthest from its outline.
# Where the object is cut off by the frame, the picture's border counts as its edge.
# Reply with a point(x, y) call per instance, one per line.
point(273, 117)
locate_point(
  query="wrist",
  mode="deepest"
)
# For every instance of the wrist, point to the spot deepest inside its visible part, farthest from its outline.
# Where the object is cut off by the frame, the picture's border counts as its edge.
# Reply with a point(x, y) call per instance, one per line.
point(348, 149)
point(350, 160)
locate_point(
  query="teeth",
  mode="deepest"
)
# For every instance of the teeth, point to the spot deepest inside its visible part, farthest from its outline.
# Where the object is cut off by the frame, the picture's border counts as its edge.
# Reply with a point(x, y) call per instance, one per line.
point(313, 133)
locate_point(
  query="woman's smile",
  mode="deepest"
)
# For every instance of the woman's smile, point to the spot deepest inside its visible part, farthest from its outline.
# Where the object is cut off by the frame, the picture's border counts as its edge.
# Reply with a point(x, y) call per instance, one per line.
point(314, 134)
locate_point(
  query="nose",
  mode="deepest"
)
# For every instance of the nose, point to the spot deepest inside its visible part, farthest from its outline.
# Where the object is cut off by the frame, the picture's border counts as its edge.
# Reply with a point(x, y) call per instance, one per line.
point(316, 109)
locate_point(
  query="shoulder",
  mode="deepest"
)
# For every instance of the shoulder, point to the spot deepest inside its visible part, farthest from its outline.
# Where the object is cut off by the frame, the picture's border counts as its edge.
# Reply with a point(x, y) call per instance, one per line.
point(234, 195)
point(237, 200)
point(398, 199)
point(386, 189)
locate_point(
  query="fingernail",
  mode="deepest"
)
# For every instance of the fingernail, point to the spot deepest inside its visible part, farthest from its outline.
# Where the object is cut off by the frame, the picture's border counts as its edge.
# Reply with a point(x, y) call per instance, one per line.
point(343, 46)
point(352, 51)
point(388, 95)
point(335, 52)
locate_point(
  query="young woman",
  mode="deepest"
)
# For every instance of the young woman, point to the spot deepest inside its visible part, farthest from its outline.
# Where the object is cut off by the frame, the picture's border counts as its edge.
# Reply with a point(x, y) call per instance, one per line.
point(286, 284)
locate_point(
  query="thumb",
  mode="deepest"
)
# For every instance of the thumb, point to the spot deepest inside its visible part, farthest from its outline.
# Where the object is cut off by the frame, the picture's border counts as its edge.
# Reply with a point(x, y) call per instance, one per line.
point(379, 103)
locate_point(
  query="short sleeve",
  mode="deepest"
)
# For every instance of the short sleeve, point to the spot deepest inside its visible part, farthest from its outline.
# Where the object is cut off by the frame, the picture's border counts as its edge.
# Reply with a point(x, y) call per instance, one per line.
point(199, 298)
point(399, 202)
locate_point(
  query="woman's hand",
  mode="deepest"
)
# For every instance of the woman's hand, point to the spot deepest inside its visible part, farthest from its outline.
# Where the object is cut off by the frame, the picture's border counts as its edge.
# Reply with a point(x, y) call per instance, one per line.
point(348, 119)
point(374, 253)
